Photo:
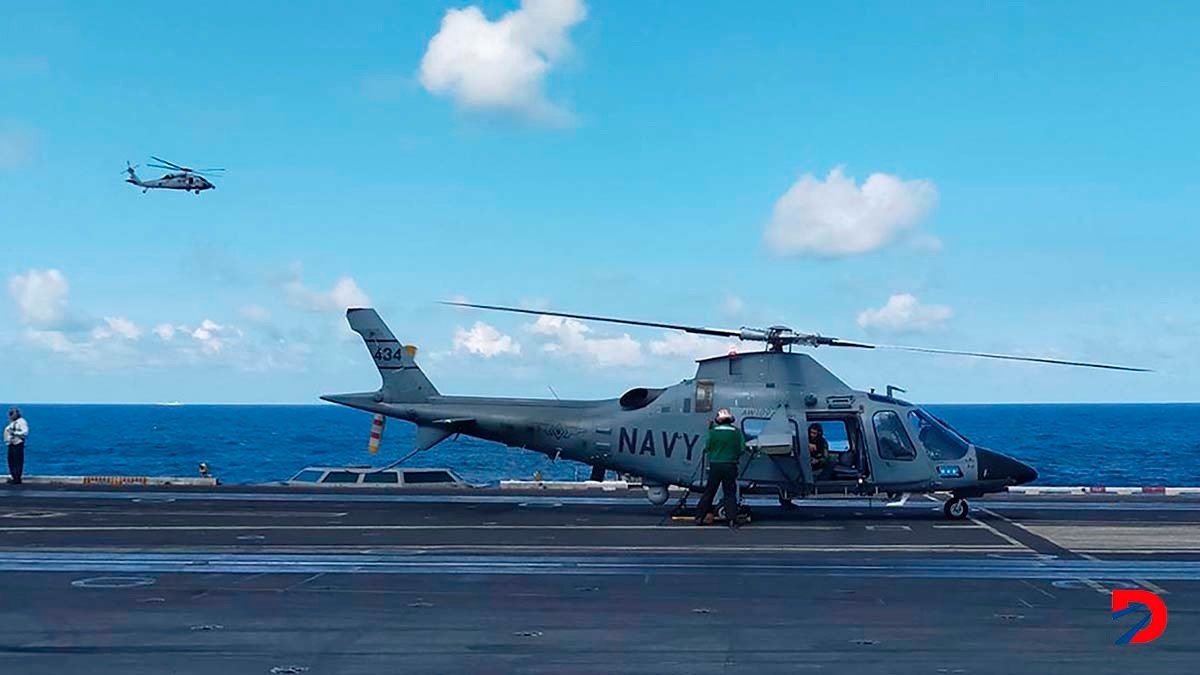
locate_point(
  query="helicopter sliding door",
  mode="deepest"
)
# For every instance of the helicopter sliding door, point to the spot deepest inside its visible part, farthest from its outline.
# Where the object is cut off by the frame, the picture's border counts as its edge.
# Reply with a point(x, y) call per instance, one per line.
point(776, 462)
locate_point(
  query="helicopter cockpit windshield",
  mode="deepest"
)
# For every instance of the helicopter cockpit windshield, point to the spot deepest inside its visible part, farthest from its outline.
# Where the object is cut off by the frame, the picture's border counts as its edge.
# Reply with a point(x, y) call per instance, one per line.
point(941, 441)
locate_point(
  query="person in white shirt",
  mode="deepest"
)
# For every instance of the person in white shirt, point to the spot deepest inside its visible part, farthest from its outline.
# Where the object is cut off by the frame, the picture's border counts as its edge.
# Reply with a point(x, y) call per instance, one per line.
point(14, 437)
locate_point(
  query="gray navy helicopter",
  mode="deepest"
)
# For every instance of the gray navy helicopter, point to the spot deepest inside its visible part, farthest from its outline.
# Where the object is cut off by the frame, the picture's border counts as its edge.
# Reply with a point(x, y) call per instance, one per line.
point(881, 445)
point(180, 178)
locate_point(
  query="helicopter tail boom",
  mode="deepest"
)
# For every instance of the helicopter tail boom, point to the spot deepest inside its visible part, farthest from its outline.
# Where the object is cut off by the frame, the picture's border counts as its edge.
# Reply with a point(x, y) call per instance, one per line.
point(132, 176)
point(403, 380)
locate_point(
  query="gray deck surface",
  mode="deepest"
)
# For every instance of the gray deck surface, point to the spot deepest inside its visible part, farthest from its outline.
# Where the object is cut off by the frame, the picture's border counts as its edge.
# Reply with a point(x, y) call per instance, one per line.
point(235, 581)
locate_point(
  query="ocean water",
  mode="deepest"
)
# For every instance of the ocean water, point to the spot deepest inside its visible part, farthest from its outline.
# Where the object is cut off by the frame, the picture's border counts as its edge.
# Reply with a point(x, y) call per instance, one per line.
point(1070, 444)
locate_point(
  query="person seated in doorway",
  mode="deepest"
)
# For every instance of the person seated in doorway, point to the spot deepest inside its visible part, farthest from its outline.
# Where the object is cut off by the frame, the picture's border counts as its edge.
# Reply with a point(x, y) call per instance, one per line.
point(818, 453)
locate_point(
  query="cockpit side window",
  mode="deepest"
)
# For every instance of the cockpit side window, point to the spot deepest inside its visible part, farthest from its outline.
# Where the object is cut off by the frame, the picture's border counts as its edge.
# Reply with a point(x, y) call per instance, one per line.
point(940, 443)
point(893, 441)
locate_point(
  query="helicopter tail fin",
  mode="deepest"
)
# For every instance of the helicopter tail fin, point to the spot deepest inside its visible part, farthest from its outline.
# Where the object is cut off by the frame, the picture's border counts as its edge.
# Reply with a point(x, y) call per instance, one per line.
point(403, 381)
point(132, 175)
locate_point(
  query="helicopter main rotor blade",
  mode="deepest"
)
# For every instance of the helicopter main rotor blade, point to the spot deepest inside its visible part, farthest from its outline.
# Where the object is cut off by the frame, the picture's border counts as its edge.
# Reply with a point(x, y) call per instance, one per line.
point(1002, 357)
point(165, 167)
point(172, 165)
point(698, 330)
point(780, 336)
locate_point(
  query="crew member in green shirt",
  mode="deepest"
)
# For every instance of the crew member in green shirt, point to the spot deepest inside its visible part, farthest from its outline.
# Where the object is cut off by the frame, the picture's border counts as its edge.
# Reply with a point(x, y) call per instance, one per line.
point(723, 446)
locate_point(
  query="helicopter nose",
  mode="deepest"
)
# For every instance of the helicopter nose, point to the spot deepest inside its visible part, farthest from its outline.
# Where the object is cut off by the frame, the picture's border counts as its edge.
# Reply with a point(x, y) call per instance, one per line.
point(996, 466)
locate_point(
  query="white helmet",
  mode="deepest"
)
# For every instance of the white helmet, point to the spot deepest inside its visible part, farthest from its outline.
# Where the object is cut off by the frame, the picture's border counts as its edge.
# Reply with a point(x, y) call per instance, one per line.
point(724, 416)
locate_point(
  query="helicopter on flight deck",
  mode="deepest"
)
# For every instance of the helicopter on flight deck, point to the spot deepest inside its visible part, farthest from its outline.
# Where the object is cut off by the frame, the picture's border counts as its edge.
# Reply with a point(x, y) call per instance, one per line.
point(180, 178)
point(880, 444)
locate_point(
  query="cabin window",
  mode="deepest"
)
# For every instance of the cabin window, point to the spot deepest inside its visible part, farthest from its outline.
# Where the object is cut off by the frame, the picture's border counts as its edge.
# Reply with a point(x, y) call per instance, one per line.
point(341, 477)
point(893, 441)
point(941, 443)
point(752, 428)
point(309, 476)
point(426, 477)
point(381, 477)
point(687, 405)
point(704, 396)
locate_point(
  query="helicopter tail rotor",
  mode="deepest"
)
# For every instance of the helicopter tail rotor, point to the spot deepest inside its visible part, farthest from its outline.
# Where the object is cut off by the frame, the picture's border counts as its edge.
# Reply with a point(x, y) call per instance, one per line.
point(130, 173)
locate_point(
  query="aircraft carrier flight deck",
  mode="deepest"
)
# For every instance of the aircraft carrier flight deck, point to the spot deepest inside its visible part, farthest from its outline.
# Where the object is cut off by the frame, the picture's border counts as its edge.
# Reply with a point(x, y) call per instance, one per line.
point(229, 580)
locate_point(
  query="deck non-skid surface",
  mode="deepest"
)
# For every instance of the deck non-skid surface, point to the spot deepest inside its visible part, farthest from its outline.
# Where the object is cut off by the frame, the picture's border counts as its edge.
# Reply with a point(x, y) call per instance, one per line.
point(160, 581)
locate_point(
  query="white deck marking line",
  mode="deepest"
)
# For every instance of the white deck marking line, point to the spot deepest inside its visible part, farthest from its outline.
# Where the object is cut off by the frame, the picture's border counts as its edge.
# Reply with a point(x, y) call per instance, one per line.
point(989, 528)
point(1014, 523)
point(298, 584)
point(1025, 602)
point(676, 548)
point(575, 527)
point(1043, 591)
point(1151, 586)
point(998, 533)
point(1091, 583)
point(108, 513)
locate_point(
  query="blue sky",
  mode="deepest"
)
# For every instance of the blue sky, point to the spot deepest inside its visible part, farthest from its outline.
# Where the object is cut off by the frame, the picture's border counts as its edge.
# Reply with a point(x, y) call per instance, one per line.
point(965, 175)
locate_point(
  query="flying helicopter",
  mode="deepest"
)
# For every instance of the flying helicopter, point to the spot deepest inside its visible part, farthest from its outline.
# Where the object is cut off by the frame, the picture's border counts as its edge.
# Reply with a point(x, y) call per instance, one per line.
point(180, 178)
point(882, 445)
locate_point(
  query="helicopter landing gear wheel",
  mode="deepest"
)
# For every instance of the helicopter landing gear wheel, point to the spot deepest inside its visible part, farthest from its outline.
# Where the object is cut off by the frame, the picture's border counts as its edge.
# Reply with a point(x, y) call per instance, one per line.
point(956, 508)
point(743, 514)
point(786, 502)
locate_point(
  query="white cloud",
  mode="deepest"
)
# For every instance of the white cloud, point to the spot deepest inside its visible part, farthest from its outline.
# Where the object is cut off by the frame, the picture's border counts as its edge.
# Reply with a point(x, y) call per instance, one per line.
point(115, 342)
point(211, 336)
point(41, 296)
point(344, 294)
point(691, 346)
point(502, 65)
point(116, 327)
point(570, 337)
point(904, 313)
point(836, 217)
point(484, 340)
